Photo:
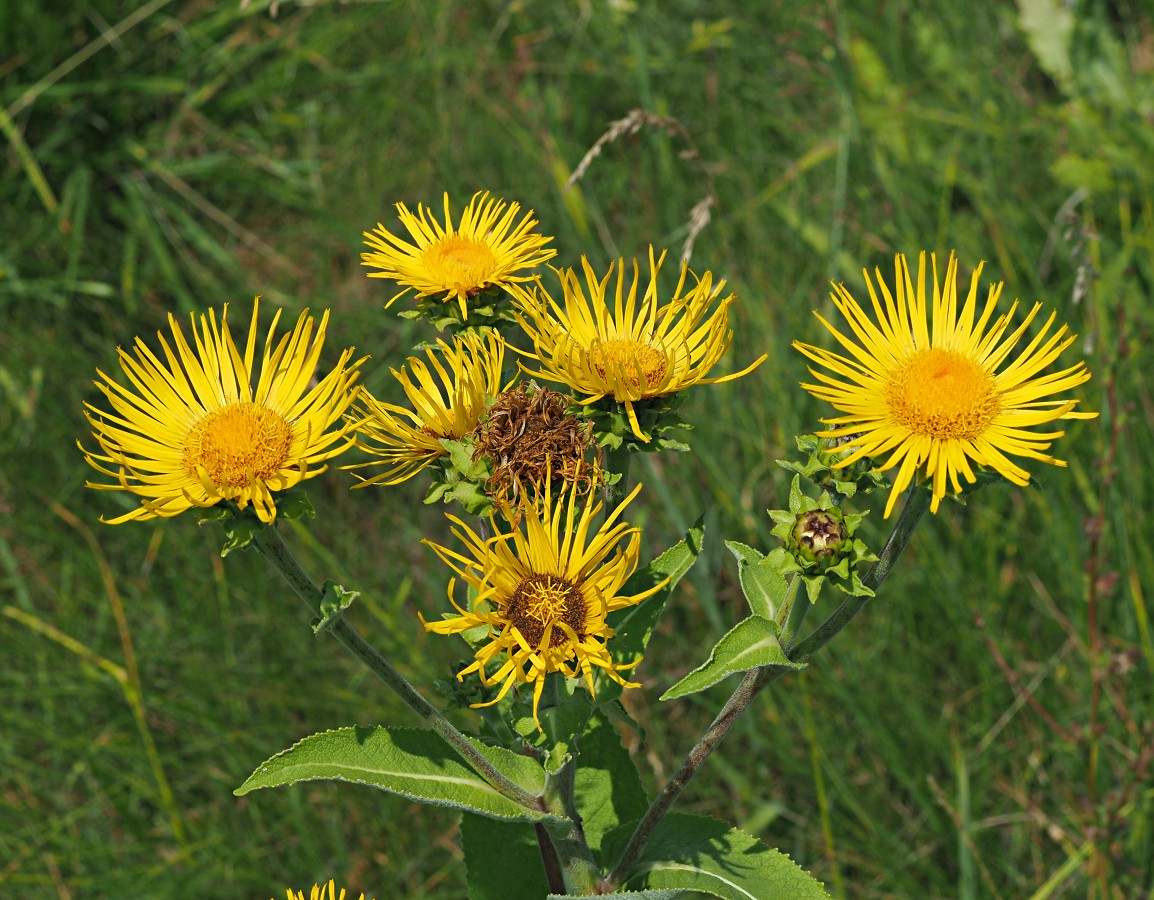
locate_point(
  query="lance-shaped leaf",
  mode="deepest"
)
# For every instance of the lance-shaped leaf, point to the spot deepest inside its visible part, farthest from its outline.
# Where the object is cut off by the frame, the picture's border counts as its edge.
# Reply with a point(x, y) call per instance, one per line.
point(634, 625)
point(751, 643)
point(697, 853)
point(675, 894)
point(762, 584)
point(410, 762)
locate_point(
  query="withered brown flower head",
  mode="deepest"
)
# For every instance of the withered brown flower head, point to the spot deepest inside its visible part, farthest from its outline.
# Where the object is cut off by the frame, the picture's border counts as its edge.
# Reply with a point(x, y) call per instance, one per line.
point(530, 436)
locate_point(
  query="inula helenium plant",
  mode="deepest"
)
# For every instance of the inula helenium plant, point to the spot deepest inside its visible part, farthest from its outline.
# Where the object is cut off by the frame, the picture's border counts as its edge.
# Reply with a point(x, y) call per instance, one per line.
point(549, 596)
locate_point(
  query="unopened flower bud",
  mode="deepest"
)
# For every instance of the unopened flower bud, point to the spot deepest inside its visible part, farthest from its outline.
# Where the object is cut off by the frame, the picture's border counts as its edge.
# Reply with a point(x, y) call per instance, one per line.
point(817, 537)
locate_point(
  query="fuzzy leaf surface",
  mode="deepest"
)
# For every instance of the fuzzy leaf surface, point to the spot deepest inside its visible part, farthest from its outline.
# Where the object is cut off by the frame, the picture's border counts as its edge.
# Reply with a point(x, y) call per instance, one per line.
point(502, 860)
point(409, 762)
point(763, 586)
point(751, 643)
point(697, 853)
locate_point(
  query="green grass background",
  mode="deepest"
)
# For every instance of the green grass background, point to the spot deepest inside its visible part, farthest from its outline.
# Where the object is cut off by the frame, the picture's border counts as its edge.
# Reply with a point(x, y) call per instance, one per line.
point(176, 155)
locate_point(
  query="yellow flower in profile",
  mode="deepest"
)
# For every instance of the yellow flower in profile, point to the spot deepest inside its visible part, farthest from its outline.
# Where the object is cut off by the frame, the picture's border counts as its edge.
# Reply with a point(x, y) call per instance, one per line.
point(939, 395)
point(543, 591)
point(637, 349)
point(326, 892)
point(483, 250)
point(448, 399)
point(193, 430)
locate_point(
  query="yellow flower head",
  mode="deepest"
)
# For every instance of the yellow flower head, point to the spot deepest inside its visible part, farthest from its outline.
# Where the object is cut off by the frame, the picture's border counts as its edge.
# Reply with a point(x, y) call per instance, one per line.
point(483, 250)
point(937, 394)
point(635, 350)
point(543, 591)
point(193, 430)
point(319, 892)
point(448, 399)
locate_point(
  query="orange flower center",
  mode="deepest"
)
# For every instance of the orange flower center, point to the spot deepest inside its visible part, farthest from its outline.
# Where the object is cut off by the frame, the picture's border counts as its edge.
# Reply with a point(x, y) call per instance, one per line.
point(460, 262)
point(624, 361)
point(541, 599)
point(943, 395)
point(237, 445)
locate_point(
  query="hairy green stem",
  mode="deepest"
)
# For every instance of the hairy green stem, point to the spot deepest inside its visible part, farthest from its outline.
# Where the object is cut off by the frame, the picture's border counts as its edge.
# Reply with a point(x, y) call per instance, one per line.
point(579, 869)
point(272, 546)
point(756, 680)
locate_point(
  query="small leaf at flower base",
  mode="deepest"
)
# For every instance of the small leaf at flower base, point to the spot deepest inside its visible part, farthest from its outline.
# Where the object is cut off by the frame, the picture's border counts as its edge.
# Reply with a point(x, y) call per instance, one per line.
point(750, 644)
point(410, 762)
point(697, 853)
point(763, 586)
point(335, 601)
point(502, 860)
point(634, 625)
point(607, 788)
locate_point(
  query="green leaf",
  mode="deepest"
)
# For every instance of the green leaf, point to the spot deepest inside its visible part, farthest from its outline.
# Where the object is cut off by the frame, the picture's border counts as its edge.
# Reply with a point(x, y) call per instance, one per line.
point(335, 601)
point(634, 625)
point(697, 853)
point(607, 787)
point(763, 586)
point(749, 644)
point(410, 762)
point(674, 894)
point(502, 860)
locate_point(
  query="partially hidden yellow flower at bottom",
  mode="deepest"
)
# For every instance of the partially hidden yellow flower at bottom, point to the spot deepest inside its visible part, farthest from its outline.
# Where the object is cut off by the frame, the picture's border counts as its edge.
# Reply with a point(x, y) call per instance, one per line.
point(544, 589)
point(319, 892)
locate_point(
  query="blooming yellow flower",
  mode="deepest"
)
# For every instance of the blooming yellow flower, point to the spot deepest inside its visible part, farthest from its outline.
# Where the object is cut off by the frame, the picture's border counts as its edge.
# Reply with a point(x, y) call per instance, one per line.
point(447, 402)
point(543, 591)
point(483, 250)
point(639, 349)
point(326, 892)
point(194, 431)
point(938, 396)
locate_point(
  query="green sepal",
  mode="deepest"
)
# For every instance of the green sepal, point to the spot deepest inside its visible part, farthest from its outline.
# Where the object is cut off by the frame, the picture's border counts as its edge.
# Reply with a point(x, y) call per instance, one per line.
point(294, 504)
point(491, 307)
point(241, 526)
point(458, 476)
point(410, 762)
point(698, 853)
point(822, 454)
point(761, 582)
point(751, 644)
point(656, 417)
point(633, 625)
point(335, 601)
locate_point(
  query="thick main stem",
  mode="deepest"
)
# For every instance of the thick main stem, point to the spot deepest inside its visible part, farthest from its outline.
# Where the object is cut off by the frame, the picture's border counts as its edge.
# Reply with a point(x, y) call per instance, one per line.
point(272, 546)
point(756, 680)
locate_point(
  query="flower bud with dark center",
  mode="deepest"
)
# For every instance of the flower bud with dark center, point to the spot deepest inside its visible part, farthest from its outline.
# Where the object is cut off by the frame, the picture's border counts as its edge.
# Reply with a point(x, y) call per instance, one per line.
point(816, 538)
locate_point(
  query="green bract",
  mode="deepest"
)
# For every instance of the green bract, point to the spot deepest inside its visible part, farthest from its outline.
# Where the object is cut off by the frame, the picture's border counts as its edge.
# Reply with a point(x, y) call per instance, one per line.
point(860, 477)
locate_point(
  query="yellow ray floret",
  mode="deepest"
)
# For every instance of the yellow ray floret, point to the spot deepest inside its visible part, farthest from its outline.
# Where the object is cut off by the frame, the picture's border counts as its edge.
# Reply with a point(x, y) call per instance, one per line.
point(486, 248)
point(543, 591)
point(319, 892)
point(447, 401)
point(193, 430)
point(934, 389)
point(627, 347)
